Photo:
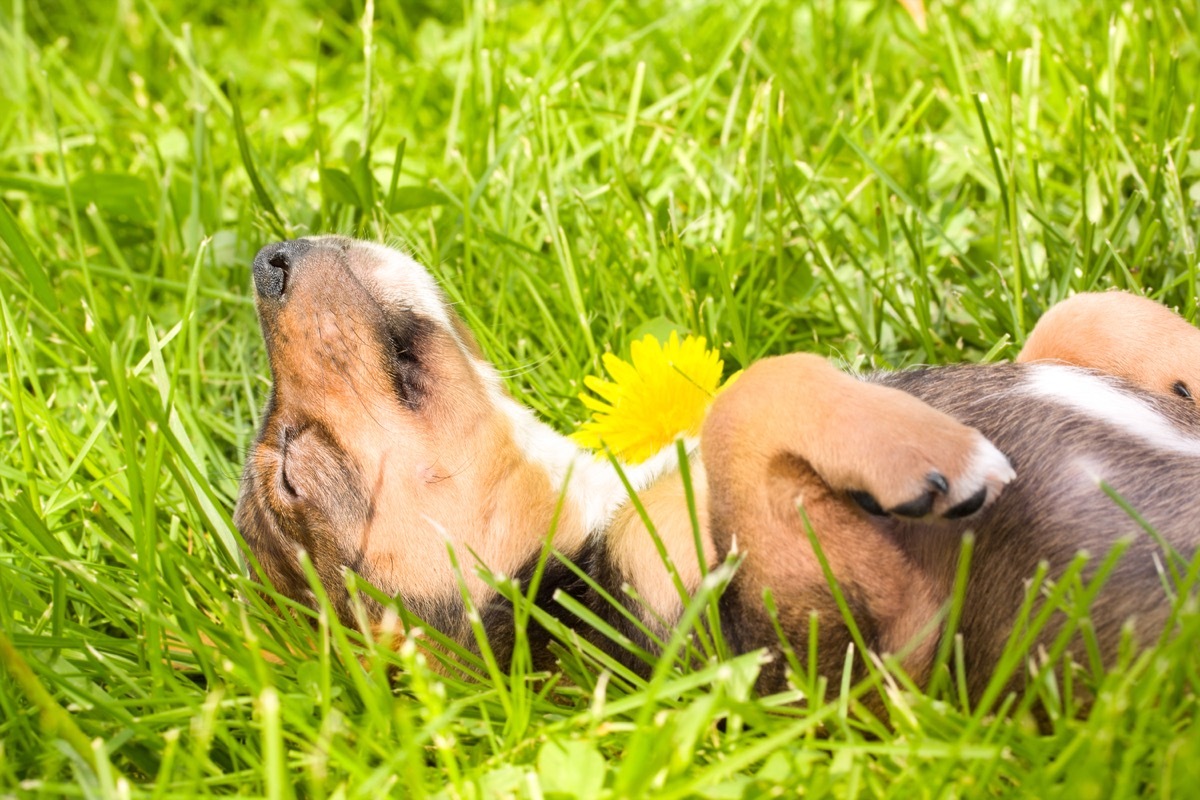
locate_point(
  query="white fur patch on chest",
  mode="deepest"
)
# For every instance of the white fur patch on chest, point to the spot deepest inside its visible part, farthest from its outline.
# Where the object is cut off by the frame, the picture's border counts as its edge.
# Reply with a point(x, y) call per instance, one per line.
point(1103, 400)
point(595, 487)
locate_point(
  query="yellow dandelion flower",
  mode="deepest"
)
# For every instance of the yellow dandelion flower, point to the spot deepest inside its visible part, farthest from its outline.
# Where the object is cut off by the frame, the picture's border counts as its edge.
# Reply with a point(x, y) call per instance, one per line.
point(663, 395)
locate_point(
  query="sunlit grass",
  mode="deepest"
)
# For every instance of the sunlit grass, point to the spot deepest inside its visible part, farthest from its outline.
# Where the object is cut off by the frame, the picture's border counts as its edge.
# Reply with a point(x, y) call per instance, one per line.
point(813, 176)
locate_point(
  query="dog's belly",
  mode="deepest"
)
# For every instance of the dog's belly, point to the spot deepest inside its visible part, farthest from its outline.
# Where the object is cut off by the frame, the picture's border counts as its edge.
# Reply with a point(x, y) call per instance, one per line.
point(1072, 436)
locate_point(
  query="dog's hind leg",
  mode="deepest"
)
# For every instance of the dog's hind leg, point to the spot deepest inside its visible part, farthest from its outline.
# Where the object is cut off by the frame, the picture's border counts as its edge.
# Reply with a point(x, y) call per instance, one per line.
point(795, 442)
point(1124, 335)
point(899, 455)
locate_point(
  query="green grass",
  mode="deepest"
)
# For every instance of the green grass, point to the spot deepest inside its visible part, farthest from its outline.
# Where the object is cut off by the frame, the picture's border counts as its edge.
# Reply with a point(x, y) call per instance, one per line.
point(815, 176)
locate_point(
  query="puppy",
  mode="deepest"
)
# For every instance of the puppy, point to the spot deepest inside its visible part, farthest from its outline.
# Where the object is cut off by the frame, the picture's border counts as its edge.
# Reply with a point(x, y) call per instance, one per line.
point(387, 435)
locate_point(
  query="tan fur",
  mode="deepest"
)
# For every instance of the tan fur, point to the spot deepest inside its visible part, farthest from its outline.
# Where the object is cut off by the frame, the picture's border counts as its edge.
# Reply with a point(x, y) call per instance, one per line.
point(1121, 334)
point(828, 439)
point(916, 10)
point(636, 555)
point(382, 486)
point(855, 435)
point(447, 474)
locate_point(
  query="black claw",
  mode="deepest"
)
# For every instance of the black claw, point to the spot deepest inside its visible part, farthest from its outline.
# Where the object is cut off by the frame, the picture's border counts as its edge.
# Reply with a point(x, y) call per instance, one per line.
point(938, 481)
point(969, 506)
point(918, 507)
point(868, 503)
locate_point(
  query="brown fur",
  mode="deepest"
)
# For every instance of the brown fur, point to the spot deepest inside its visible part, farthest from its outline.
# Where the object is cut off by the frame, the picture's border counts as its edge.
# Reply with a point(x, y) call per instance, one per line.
point(418, 482)
point(1120, 334)
point(635, 554)
point(387, 439)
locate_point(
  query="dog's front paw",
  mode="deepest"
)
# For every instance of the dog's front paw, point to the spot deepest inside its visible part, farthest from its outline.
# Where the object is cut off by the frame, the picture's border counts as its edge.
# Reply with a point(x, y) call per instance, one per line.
point(932, 466)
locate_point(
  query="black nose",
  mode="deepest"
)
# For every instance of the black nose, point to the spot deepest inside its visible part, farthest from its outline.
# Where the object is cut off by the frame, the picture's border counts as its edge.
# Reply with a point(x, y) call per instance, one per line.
point(275, 267)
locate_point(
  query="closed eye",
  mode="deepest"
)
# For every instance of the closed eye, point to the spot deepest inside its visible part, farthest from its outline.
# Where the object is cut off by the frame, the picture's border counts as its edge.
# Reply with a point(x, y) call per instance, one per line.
point(402, 349)
point(1180, 388)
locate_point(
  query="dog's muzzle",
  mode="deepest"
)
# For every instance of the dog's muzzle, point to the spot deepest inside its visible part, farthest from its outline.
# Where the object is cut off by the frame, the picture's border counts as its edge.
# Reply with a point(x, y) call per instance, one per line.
point(275, 265)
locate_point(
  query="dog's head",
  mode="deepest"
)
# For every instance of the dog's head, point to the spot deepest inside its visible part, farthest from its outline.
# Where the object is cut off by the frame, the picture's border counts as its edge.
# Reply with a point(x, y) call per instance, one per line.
point(386, 434)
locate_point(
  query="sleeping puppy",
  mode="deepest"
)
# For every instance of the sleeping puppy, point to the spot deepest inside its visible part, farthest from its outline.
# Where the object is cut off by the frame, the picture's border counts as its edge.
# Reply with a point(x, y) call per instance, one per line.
point(387, 434)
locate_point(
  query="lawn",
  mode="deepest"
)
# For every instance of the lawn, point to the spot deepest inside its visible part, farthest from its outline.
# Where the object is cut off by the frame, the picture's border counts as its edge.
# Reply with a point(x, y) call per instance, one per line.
point(826, 176)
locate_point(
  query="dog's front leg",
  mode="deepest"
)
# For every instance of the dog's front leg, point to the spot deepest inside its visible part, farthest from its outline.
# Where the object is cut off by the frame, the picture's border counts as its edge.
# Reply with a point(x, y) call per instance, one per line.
point(795, 435)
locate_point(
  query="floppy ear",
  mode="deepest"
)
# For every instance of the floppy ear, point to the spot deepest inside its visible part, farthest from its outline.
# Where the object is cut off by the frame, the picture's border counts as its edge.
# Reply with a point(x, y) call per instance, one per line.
point(276, 554)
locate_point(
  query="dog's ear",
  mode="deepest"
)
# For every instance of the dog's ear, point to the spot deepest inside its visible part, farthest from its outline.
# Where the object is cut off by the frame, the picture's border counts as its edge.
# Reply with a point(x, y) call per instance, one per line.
point(1121, 334)
point(275, 552)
